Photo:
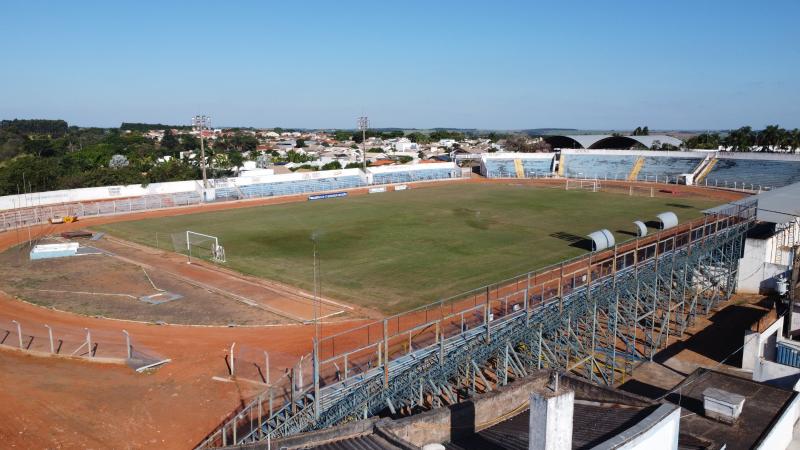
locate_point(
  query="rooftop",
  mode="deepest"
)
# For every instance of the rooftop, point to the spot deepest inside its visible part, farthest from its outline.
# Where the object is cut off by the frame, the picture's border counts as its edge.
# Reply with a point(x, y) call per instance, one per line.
point(763, 403)
point(777, 206)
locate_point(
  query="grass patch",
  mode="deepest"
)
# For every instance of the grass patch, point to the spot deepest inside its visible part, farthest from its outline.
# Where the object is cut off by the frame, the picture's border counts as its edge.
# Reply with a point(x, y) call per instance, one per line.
point(396, 250)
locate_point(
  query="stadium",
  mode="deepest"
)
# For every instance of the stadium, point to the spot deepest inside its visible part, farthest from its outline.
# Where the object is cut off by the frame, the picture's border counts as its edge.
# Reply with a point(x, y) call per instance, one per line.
point(353, 308)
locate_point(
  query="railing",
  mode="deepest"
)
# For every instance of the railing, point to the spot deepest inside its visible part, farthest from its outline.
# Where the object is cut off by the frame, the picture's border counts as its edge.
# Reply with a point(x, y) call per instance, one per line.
point(361, 353)
point(65, 341)
point(35, 215)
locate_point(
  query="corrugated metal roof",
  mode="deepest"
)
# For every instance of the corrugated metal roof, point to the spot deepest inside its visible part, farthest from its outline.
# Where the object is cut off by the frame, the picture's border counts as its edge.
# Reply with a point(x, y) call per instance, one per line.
point(779, 205)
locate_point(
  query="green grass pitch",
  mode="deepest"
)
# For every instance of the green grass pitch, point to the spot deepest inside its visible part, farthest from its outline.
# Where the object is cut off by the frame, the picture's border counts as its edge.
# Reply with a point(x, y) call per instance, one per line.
point(396, 250)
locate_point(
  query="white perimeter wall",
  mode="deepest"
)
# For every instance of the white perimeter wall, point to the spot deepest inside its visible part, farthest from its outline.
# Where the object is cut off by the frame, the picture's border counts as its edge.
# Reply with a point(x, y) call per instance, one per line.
point(756, 269)
point(136, 190)
point(96, 193)
point(674, 154)
point(512, 155)
point(759, 346)
point(780, 435)
point(655, 432)
point(411, 167)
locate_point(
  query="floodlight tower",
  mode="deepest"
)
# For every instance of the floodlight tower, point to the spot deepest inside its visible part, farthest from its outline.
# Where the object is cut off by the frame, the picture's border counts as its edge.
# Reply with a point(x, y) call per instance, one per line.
point(201, 123)
point(363, 124)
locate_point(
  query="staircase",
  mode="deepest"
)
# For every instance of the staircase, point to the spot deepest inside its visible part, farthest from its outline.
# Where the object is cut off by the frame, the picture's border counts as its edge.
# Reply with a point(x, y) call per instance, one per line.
point(704, 169)
point(519, 169)
point(637, 167)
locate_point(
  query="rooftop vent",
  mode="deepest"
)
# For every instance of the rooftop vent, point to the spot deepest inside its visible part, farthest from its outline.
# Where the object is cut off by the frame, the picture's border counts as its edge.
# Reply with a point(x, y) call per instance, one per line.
point(722, 405)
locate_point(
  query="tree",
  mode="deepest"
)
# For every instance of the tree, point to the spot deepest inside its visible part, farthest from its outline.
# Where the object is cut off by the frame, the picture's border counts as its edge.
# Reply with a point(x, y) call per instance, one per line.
point(235, 159)
point(169, 141)
point(524, 144)
point(300, 143)
point(333, 165)
point(704, 141)
point(189, 142)
point(419, 138)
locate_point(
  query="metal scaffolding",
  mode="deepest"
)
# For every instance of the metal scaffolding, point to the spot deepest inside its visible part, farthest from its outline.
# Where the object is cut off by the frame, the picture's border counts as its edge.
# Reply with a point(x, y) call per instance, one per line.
point(597, 316)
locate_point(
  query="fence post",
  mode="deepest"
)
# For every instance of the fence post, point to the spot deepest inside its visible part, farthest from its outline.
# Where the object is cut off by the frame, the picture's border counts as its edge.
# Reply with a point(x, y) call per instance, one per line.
point(50, 334)
point(128, 348)
point(19, 332)
point(386, 353)
point(266, 367)
point(316, 379)
point(89, 341)
point(230, 358)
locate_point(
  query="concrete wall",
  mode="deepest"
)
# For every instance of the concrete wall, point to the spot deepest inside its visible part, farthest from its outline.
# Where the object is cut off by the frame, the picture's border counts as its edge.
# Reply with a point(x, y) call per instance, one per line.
point(657, 431)
point(758, 346)
point(511, 155)
point(780, 435)
point(776, 374)
point(411, 167)
point(674, 154)
point(135, 190)
point(96, 193)
point(445, 424)
point(757, 272)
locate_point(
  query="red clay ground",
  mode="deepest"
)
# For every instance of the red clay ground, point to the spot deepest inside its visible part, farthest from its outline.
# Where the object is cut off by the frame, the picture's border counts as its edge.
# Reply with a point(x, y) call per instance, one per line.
point(54, 402)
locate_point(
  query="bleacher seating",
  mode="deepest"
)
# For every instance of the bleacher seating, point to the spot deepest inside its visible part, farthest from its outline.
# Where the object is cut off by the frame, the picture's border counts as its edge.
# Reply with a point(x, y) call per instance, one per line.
point(753, 173)
point(537, 167)
point(500, 168)
point(227, 193)
point(504, 168)
point(598, 166)
point(666, 168)
point(412, 175)
point(301, 186)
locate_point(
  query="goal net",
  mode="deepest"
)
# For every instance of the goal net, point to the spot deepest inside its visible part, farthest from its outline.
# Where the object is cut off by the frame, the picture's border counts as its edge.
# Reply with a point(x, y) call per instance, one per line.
point(588, 185)
point(199, 245)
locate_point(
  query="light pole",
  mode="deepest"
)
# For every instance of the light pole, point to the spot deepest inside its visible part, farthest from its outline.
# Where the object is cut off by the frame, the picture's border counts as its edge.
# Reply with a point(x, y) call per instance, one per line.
point(316, 329)
point(363, 124)
point(200, 123)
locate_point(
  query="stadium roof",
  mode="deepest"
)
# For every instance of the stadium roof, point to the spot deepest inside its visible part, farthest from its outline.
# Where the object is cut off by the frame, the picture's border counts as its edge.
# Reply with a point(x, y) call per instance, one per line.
point(598, 141)
point(776, 206)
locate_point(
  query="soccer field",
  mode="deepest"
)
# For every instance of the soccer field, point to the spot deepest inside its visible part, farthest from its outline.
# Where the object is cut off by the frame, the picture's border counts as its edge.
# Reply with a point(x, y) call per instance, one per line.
point(395, 250)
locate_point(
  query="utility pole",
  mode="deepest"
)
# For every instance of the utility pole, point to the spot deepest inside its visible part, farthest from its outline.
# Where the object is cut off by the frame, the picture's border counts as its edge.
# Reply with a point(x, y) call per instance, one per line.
point(201, 123)
point(363, 124)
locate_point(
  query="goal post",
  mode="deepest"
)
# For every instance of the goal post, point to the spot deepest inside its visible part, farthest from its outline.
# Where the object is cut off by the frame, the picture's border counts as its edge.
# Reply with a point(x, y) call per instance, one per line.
point(583, 184)
point(205, 246)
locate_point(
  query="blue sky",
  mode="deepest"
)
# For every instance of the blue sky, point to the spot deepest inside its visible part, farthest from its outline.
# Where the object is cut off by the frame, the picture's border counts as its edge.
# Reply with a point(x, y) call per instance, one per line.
point(490, 64)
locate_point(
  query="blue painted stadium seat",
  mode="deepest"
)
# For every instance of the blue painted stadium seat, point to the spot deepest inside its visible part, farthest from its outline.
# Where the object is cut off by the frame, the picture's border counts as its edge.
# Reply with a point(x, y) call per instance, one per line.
point(666, 168)
point(412, 175)
point(598, 166)
point(753, 172)
point(301, 186)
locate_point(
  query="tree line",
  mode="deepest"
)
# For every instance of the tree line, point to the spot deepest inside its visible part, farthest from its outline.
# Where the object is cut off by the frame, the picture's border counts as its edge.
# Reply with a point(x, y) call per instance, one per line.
point(33, 161)
point(746, 139)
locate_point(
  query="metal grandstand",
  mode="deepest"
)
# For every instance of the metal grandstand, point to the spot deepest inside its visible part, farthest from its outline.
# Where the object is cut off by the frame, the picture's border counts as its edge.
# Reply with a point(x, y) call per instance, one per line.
point(597, 316)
